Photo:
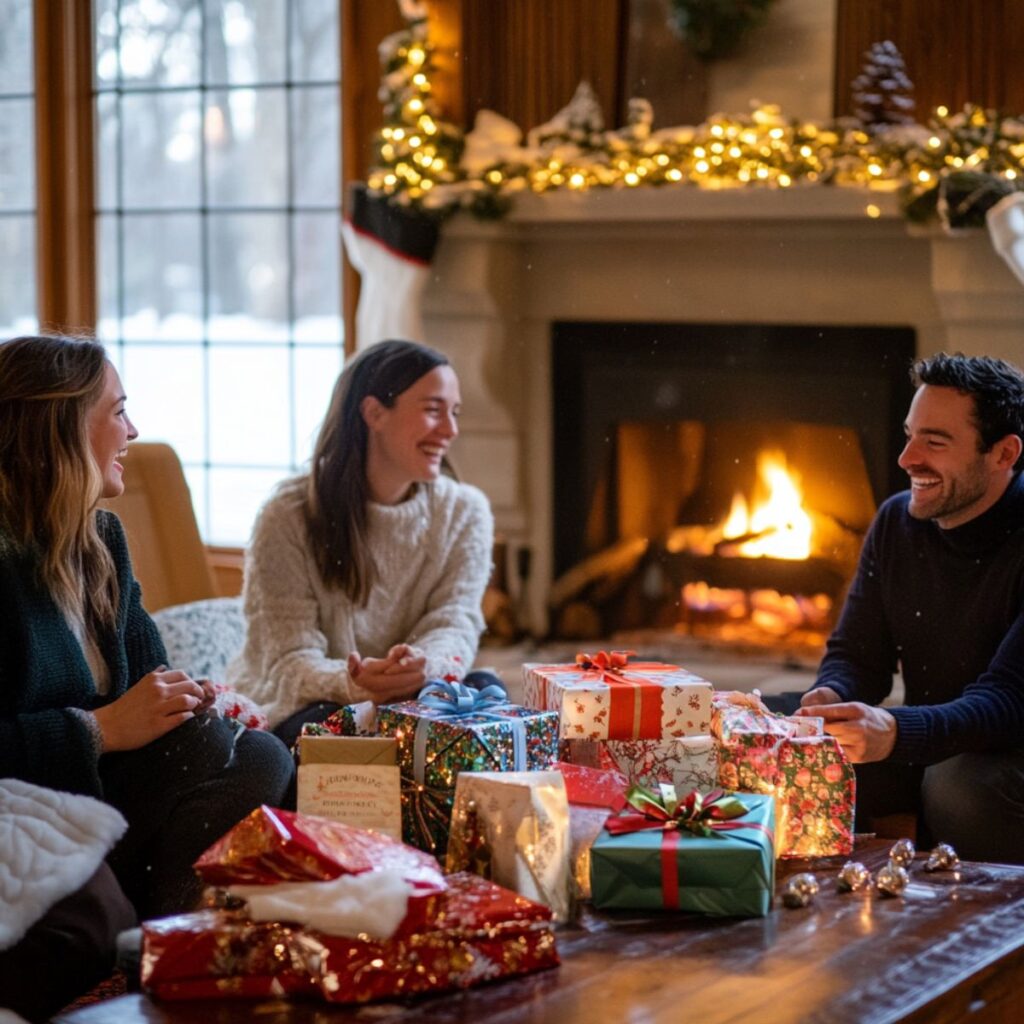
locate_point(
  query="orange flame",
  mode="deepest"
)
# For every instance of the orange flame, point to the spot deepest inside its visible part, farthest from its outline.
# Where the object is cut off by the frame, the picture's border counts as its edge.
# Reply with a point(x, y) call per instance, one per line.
point(781, 527)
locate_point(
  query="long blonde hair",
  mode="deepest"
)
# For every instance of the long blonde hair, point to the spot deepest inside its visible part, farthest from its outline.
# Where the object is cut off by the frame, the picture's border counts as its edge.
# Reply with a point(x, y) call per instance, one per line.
point(49, 480)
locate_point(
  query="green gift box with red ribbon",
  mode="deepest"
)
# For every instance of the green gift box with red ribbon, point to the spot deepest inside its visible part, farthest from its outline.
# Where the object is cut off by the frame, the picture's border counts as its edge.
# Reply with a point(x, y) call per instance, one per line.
point(705, 853)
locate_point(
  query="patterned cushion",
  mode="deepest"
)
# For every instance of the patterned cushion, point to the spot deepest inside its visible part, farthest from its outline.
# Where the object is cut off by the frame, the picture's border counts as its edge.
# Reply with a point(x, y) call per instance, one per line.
point(203, 636)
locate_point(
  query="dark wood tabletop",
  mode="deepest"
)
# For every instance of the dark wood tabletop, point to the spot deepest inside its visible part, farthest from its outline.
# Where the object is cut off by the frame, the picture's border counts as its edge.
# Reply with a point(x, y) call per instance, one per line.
point(951, 948)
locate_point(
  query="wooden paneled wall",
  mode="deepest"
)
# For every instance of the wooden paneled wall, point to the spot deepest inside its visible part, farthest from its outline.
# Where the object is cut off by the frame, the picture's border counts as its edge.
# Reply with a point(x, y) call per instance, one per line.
point(956, 51)
point(524, 58)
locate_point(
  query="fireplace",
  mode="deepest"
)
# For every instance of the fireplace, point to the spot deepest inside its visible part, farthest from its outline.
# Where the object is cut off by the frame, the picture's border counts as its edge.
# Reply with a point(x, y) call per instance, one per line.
point(714, 477)
point(501, 297)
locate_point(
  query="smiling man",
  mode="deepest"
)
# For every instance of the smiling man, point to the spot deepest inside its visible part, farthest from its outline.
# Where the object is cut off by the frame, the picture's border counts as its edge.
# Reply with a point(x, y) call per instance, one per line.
point(939, 593)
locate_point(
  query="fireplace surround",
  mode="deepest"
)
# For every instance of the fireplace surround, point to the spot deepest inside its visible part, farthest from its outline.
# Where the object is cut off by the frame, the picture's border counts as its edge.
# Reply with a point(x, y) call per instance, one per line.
point(801, 258)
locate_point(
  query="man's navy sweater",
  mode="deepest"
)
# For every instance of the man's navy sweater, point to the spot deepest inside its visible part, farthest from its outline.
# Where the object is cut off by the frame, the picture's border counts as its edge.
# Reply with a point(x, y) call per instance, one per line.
point(43, 671)
point(948, 606)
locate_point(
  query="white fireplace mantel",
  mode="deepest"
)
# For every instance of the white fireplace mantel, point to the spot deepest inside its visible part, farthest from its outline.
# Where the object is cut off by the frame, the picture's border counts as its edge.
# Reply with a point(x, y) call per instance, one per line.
point(806, 255)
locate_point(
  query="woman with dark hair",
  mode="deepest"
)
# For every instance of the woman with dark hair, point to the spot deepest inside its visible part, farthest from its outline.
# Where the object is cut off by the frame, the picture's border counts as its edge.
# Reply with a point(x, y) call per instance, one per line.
point(87, 703)
point(364, 577)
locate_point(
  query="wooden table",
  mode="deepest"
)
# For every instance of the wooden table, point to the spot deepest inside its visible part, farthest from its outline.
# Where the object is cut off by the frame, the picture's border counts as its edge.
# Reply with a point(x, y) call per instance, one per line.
point(950, 949)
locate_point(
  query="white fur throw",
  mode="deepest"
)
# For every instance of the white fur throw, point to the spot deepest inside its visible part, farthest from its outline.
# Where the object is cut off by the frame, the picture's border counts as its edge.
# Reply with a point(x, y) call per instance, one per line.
point(52, 844)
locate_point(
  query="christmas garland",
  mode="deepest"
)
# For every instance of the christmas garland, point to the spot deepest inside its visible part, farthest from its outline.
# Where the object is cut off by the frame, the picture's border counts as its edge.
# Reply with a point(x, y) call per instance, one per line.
point(715, 29)
point(953, 168)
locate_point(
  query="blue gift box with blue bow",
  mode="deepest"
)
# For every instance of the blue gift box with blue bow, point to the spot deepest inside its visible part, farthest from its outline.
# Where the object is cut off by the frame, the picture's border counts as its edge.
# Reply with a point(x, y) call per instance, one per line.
point(452, 728)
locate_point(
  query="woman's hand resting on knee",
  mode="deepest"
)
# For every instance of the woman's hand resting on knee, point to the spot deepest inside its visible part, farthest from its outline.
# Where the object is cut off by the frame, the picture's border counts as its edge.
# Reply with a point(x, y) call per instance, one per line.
point(401, 673)
point(156, 704)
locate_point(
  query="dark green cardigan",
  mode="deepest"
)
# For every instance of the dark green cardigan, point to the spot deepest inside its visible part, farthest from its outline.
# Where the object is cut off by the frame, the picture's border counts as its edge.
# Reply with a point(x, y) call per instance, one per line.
point(43, 670)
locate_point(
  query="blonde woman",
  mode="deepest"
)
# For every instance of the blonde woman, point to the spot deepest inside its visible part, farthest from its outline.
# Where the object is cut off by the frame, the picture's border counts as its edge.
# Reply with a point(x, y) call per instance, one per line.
point(87, 703)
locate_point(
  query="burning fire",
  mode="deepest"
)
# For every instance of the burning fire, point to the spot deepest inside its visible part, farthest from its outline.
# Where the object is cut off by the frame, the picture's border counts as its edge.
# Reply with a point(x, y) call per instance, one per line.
point(771, 612)
point(777, 526)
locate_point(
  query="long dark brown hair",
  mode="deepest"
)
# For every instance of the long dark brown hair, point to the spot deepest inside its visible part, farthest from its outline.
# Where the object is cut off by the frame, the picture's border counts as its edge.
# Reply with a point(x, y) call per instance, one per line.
point(49, 480)
point(337, 489)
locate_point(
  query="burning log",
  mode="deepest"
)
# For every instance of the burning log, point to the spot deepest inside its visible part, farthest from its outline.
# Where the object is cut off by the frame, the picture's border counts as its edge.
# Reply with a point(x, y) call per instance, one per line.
point(606, 568)
point(731, 548)
point(810, 576)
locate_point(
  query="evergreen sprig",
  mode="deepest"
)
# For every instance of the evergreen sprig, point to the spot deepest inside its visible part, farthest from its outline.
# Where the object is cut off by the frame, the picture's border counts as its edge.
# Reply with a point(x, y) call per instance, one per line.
point(715, 28)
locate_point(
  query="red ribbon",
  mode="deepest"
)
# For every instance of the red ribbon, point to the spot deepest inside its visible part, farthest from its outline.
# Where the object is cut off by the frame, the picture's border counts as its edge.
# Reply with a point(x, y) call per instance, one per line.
point(670, 869)
point(636, 702)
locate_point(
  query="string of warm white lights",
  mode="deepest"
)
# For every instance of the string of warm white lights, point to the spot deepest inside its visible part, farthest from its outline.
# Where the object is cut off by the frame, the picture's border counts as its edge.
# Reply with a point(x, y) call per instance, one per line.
point(418, 155)
point(415, 148)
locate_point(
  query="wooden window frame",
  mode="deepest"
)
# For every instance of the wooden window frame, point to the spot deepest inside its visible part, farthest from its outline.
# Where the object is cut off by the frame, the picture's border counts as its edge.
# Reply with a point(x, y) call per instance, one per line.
point(65, 166)
point(66, 154)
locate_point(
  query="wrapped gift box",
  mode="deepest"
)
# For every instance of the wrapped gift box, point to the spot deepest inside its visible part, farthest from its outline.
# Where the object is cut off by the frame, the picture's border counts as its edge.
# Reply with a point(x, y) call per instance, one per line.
point(213, 953)
point(588, 786)
point(730, 871)
point(270, 846)
point(513, 828)
point(815, 798)
point(594, 794)
point(608, 697)
point(438, 739)
point(793, 760)
point(480, 932)
point(350, 720)
point(690, 762)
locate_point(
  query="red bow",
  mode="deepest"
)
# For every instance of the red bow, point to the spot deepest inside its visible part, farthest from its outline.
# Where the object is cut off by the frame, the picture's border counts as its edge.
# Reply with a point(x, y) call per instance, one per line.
point(697, 813)
point(604, 660)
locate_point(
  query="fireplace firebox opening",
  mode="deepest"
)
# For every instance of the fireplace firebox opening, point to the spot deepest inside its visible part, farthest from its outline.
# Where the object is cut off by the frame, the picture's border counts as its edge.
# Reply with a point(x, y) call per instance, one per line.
point(717, 480)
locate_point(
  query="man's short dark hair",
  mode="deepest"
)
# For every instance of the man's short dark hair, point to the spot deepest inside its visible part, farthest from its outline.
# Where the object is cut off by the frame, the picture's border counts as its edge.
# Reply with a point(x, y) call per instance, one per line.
point(997, 388)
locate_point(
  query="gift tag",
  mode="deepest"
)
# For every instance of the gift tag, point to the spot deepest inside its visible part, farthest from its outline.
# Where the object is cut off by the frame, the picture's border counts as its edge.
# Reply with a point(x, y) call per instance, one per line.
point(352, 779)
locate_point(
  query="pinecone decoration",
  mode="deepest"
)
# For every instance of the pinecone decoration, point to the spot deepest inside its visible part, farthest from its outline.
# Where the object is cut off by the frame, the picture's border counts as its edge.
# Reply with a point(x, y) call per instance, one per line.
point(882, 91)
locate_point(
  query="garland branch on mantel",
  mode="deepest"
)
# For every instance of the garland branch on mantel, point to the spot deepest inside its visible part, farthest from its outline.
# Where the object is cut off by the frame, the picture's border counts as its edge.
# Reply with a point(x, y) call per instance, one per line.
point(953, 168)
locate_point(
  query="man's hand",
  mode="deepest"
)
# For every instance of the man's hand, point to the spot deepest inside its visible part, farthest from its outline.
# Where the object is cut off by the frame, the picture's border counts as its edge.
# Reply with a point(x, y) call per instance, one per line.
point(866, 733)
point(818, 696)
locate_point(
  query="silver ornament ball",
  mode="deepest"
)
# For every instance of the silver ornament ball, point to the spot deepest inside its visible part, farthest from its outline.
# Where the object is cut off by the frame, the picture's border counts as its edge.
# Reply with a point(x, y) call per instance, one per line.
point(902, 852)
point(942, 858)
point(892, 879)
point(800, 890)
point(853, 876)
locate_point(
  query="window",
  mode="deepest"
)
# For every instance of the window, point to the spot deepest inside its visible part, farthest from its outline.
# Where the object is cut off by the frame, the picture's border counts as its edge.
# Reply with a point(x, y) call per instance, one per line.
point(17, 175)
point(218, 206)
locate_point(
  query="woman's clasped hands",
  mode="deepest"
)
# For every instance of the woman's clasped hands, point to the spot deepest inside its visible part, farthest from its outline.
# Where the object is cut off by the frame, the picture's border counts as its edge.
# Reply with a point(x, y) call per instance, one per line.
point(400, 673)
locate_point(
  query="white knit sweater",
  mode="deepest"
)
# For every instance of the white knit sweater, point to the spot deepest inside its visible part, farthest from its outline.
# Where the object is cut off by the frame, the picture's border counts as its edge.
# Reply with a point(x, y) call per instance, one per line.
point(433, 555)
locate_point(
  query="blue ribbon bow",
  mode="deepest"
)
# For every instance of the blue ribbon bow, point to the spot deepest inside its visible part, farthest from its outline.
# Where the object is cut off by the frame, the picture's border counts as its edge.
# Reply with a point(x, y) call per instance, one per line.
point(458, 700)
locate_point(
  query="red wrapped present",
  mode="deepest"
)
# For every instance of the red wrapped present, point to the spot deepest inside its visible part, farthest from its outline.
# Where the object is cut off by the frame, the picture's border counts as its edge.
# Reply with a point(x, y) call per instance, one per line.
point(272, 845)
point(481, 932)
point(587, 786)
point(594, 794)
point(219, 953)
point(791, 759)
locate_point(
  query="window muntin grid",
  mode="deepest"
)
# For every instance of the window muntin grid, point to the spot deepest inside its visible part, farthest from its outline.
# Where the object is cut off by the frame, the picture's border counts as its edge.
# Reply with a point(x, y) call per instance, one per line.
point(218, 192)
point(17, 171)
